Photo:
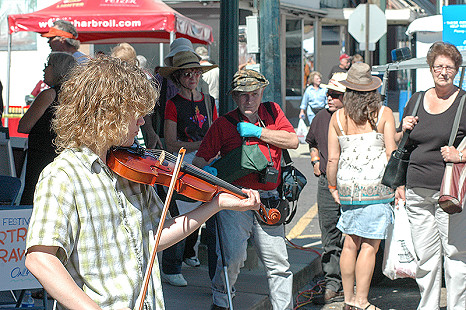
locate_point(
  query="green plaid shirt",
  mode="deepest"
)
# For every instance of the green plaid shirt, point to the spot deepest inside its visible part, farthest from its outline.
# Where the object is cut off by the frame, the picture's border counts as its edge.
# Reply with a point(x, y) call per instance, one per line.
point(101, 224)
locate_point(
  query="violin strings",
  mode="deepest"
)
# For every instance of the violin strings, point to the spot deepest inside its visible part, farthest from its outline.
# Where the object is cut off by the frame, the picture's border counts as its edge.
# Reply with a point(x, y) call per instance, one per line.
point(196, 171)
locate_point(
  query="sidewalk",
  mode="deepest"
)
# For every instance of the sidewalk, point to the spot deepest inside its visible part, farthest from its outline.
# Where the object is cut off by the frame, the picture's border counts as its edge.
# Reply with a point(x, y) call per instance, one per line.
point(251, 286)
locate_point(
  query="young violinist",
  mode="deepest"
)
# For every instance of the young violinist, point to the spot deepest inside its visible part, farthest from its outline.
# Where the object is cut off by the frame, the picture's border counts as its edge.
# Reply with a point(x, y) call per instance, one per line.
point(89, 240)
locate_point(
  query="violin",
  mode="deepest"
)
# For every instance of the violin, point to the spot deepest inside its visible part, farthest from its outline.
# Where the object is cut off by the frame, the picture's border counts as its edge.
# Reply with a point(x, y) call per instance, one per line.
point(156, 167)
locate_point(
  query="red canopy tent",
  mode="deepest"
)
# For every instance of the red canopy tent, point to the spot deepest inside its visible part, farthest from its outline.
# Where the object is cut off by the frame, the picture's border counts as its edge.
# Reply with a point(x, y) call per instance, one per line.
point(114, 21)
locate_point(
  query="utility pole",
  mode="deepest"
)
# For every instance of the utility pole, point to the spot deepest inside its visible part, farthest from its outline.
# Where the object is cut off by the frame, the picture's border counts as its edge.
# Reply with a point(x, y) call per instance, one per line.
point(229, 15)
point(269, 30)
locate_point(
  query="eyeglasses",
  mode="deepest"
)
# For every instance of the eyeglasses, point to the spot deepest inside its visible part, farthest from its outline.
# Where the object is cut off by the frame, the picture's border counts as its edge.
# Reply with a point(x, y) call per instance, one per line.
point(190, 74)
point(439, 69)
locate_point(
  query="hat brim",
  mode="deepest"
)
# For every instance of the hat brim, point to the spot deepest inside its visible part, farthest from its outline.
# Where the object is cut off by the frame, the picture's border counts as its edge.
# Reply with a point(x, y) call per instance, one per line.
point(167, 71)
point(246, 88)
point(334, 87)
point(374, 84)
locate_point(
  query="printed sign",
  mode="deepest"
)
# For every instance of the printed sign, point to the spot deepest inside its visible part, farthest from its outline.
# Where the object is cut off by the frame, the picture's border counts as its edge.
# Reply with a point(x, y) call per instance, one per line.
point(454, 25)
point(13, 229)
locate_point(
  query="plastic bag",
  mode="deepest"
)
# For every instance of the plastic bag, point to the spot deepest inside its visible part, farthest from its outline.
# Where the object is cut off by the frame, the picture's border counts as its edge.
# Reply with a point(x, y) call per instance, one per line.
point(301, 131)
point(399, 259)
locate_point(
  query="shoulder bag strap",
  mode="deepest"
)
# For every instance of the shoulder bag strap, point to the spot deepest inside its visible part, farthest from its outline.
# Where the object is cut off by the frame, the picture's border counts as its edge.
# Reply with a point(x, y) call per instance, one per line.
point(407, 132)
point(456, 122)
point(286, 155)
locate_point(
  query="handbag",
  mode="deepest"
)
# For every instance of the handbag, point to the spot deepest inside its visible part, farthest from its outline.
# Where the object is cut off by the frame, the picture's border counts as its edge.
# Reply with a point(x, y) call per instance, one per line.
point(452, 190)
point(397, 166)
point(240, 162)
point(399, 259)
point(291, 185)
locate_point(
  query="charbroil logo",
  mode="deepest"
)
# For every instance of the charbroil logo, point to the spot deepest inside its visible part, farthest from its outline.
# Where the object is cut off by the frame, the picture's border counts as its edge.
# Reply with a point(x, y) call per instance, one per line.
point(118, 2)
point(92, 23)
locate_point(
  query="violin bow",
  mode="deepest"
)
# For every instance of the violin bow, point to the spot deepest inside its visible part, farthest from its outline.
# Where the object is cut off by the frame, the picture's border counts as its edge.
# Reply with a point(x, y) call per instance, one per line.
point(171, 188)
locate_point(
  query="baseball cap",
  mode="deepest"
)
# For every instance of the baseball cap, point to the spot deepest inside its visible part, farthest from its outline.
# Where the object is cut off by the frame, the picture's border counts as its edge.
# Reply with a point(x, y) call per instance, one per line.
point(344, 56)
point(247, 80)
point(54, 32)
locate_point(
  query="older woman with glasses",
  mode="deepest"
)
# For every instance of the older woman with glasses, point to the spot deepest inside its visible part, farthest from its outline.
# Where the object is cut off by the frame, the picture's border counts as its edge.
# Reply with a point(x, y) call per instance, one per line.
point(435, 233)
point(188, 116)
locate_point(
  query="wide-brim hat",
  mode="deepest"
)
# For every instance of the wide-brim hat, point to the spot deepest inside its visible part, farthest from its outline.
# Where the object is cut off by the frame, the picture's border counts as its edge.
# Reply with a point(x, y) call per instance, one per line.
point(179, 45)
point(247, 80)
point(334, 83)
point(360, 78)
point(184, 60)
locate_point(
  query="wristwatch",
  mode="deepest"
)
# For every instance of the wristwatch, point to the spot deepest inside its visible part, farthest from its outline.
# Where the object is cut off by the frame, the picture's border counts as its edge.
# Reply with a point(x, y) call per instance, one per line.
point(313, 162)
point(460, 154)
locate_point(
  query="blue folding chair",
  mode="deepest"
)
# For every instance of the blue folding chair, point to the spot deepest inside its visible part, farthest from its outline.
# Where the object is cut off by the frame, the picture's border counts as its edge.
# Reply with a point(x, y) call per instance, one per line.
point(9, 189)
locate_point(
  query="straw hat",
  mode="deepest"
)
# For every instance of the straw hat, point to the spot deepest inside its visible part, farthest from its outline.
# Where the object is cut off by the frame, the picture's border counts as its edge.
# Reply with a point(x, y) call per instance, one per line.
point(178, 45)
point(359, 78)
point(334, 83)
point(184, 60)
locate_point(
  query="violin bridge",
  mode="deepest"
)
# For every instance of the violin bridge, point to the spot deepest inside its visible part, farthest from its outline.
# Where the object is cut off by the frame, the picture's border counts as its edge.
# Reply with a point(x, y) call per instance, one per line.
point(161, 157)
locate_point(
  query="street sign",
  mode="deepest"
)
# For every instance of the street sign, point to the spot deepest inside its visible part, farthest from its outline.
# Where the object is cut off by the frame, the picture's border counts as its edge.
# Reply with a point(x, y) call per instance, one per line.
point(377, 24)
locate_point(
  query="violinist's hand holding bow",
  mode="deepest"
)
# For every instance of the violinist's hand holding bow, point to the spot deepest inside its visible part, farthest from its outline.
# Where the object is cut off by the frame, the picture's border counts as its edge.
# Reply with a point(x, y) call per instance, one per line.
point(230, 202)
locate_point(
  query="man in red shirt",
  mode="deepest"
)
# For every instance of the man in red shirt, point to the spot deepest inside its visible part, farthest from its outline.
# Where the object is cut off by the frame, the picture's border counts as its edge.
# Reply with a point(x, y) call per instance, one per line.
point(263, 124)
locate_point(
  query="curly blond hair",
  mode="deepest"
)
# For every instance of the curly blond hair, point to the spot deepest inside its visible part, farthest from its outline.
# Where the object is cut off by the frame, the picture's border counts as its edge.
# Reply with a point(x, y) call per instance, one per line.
point(98, 102)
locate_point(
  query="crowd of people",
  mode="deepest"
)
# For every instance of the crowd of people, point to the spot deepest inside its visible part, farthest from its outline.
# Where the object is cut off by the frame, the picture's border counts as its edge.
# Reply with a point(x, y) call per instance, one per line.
point(91, 232)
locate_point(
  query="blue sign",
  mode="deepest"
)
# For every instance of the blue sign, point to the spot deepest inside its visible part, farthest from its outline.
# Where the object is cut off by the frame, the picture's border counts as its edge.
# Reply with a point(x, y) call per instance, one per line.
point(454, 25)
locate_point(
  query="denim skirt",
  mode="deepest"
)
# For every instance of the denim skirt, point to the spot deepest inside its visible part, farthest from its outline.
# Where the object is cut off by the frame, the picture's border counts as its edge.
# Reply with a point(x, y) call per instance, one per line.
point(367, 221)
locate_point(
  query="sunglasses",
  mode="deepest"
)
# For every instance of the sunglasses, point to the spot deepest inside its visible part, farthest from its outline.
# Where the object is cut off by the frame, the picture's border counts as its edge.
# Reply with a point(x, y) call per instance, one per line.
point(191, 74)
point(334, 94)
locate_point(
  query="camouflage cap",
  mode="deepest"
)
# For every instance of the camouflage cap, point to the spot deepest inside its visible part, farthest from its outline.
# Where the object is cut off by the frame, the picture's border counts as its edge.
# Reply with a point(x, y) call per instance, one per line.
point(248, 80)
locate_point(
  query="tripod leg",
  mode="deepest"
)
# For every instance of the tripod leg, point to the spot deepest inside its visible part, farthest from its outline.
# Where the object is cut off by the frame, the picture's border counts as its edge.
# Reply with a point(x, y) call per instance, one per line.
point(225, 267)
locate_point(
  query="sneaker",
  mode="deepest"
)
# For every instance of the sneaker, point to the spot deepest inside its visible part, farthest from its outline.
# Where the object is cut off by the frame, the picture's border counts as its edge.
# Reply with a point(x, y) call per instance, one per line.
point(192, 261)
point(215, 307)
point(329, 297)
point(176, 279)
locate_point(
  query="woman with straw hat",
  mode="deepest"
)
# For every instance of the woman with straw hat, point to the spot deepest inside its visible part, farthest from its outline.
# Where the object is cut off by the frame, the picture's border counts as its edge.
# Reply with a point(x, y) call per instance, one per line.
point(361, 140)
point(188, 116)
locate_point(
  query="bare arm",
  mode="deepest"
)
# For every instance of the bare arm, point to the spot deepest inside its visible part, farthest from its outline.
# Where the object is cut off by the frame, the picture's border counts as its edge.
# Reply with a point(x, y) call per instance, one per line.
point(314, 155)
point(280, 138)
point(200, 162)
point(171, 141)
point(389, 131)
point(55, 279)
point(408, 124)
point(37, 109)
point(181, 226)
point(333, 157)
point(153, 140)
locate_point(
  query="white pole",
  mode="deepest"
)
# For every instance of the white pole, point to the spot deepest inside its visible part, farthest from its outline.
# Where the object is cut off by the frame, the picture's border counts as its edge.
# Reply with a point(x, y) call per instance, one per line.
point(7, 91)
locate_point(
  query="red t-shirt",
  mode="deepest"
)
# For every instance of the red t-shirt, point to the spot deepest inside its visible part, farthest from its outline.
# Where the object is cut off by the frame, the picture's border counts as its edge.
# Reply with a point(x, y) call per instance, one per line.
point(223, 137)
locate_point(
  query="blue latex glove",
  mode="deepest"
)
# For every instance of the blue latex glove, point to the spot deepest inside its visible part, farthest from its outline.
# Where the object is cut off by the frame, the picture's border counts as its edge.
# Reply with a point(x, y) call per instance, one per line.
point(211, 170)
point(249, 130)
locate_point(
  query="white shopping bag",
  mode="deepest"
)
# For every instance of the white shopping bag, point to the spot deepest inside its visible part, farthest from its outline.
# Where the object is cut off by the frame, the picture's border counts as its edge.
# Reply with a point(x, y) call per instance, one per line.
point(399, 259)
point(301, 131)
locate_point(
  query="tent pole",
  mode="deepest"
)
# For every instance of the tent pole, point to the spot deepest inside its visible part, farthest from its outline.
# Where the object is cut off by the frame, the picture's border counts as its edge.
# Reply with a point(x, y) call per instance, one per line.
point(161, 54)
point(172, 37)
point(7, 92)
